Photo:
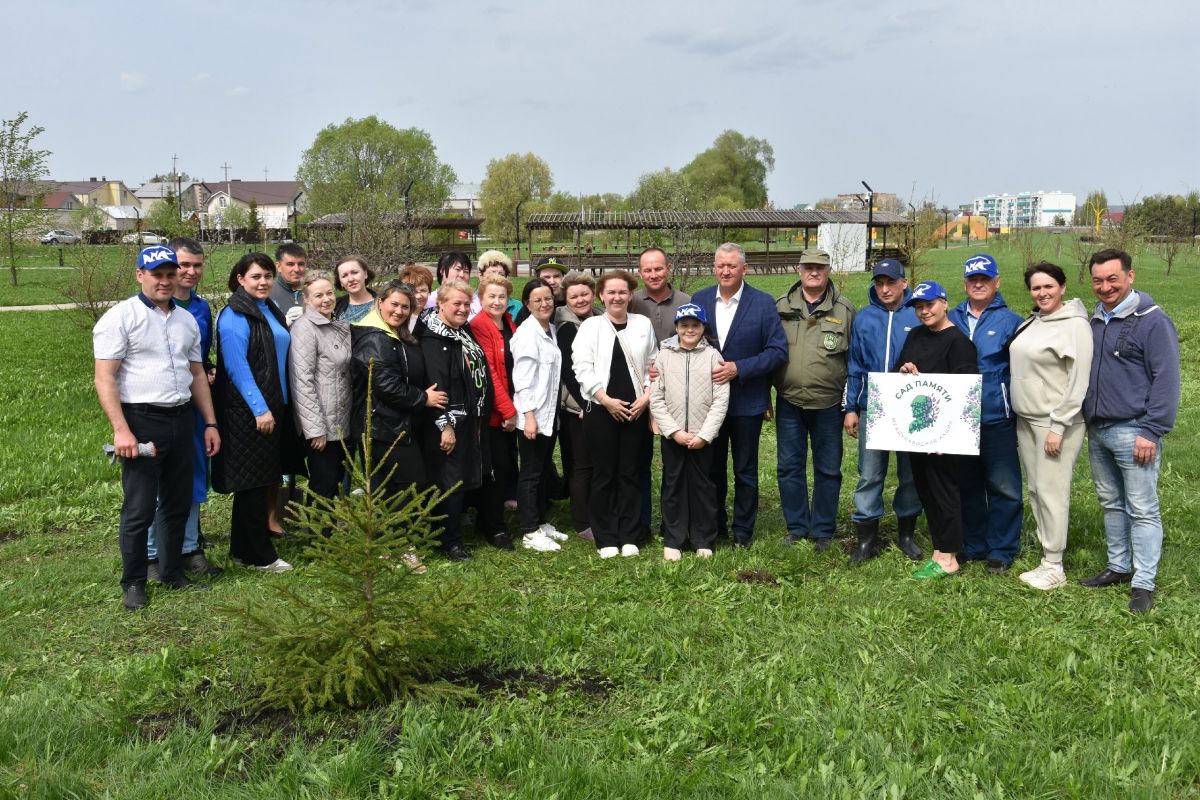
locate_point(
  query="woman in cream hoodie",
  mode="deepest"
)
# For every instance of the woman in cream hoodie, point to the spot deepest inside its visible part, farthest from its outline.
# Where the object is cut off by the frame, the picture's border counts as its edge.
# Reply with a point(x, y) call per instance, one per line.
point(1050, 356)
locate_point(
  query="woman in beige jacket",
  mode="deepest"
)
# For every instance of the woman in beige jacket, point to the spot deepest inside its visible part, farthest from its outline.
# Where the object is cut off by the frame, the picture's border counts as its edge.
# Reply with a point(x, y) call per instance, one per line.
point(319, 372)
point(1050, 356)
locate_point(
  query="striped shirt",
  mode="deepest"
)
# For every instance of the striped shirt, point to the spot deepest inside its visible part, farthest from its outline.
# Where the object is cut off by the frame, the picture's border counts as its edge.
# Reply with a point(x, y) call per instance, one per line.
point(156, 349)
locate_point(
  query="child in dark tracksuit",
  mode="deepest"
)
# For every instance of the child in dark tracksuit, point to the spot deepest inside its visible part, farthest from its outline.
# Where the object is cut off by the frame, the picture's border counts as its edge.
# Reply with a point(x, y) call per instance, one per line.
point(688, 409)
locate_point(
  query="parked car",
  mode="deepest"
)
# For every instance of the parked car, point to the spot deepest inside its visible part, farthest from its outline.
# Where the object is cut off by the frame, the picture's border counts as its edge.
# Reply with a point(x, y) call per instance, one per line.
point(59, 237)
point(145, 237)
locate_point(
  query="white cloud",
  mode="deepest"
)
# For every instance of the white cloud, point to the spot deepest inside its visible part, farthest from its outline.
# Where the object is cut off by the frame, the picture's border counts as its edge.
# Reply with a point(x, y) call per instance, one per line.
point(132, 81)
point(237, 91)
point(200, 77)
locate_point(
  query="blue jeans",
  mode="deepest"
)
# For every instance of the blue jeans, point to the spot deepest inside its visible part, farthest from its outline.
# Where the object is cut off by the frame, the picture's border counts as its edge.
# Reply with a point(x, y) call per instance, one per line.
point(741, 435)
point(872, 471)
point(990, 489)
point(794, 428)
point(191, 535)
point(1129, 497)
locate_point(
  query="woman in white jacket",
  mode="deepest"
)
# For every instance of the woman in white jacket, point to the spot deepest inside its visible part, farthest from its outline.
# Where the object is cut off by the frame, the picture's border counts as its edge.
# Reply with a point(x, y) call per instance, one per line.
point(1050, 355)
point(537, 372)
point(611, 357)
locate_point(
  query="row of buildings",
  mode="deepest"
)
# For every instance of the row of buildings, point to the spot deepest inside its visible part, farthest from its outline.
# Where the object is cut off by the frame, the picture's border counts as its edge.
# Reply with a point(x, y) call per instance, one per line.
point(278, 202)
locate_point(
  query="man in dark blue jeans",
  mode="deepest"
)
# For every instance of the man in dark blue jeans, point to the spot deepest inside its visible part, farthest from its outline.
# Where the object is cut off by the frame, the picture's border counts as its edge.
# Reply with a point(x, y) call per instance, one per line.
point(990, 485)
point(746, 326)
point(809, 388)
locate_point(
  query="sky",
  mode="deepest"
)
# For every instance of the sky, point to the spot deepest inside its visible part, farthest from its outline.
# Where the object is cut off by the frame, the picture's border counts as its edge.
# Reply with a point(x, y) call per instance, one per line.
point(937, 101)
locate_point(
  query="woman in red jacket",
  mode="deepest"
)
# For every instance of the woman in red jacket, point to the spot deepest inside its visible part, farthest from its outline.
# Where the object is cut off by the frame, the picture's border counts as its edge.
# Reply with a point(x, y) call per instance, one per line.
point(493, 329)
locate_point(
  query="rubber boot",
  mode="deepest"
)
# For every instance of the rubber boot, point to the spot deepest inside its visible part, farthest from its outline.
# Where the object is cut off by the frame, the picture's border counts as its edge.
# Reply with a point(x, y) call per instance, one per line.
point(904, 539)
point(868, 541)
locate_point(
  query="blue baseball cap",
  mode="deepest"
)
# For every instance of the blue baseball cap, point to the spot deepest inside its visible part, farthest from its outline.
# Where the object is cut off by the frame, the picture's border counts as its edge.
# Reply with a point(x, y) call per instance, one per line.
point(925, 291)
point(888, 268)
point(691, 311)
point(158, 255)
point(981, 264)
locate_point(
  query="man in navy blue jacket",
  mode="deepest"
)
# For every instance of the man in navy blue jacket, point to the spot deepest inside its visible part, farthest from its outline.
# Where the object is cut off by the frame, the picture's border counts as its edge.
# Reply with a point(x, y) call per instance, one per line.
point(752, 343)
point(990, 485)
point(1131, 402)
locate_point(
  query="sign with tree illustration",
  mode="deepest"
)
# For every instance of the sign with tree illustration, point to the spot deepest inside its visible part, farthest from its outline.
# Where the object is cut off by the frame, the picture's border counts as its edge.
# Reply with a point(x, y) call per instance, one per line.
point(931, 413)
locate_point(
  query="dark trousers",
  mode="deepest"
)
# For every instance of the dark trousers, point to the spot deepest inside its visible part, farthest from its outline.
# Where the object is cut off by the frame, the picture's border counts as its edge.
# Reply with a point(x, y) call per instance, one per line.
point(490, 497)
point(580, 474)
point(163, 483)
point(533, 494)
point(689, 504)
point(645, 462)
point(326, 472)
point(401, 468)
point(249, 539)
point(616, 502)
point(990, 485)
point(739, 435)
point(936, 478)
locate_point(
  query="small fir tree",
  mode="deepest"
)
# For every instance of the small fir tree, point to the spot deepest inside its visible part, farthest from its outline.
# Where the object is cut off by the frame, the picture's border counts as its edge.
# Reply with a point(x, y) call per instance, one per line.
point(356, 625)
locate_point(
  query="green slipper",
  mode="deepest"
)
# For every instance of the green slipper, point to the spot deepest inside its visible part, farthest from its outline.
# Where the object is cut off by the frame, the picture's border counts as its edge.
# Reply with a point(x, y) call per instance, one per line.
point(931, 570)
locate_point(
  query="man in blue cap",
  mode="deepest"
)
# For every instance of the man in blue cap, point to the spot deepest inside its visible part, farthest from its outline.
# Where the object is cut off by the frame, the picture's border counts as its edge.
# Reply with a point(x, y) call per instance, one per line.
point(149, 373)
point(875, 341)
point(990, 484)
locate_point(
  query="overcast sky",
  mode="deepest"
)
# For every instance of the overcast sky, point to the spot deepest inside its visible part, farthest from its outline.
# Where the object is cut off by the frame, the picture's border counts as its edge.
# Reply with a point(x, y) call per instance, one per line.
point(925, 99)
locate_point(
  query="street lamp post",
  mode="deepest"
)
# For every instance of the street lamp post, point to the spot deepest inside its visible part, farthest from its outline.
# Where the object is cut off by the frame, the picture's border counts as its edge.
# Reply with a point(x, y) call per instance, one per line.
point(945, 228)
point(870, 218)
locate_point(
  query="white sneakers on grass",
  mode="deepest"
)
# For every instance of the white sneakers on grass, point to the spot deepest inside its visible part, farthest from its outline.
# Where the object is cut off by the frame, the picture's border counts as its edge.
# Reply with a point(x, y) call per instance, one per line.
point(608, 552)
point(628, 550)
point(539, 541)
point(278, 565)
point(671, 554)
point(551, 532)
point(1045, 576)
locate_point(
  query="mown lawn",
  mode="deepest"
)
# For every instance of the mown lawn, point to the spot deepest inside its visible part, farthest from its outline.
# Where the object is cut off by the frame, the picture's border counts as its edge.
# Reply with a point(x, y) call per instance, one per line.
point(628, 678)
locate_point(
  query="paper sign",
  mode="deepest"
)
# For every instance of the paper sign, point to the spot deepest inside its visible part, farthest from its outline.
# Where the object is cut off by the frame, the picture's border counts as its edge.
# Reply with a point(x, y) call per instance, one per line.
point(928, 413)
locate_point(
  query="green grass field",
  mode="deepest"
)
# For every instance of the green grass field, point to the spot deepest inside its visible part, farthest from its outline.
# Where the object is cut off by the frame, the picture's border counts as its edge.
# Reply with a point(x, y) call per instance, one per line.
point(629, 678)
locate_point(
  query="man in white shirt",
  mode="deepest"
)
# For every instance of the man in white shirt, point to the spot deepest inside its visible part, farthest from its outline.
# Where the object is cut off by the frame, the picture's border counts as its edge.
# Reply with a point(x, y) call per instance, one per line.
point(148, 375)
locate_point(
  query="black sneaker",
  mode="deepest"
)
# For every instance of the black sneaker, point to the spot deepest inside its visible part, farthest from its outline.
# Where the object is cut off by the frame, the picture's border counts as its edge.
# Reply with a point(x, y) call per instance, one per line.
point(457, 553)
point(134, 597)
point(197, 564)
point(183, 582)
point(1141, 600)
point(996, 567)
point(820, 545)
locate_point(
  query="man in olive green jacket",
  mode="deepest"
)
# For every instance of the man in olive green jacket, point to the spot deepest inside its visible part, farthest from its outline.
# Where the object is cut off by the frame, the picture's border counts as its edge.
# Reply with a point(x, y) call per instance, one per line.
point(810, 390)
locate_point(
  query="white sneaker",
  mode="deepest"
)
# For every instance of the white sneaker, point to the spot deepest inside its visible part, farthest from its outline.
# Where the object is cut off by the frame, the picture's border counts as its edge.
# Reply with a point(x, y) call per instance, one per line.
point(671, 554)
point(704, 552)
point(1045, 577)
point(278, 565)
point(629, 550)
point(551, 532)
point(538, 541)
point(608, 552)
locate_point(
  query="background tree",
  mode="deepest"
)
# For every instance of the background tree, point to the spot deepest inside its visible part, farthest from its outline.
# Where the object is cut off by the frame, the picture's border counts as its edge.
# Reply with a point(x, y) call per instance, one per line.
point(1093, 210)
point(89, 219)
point(164, 217)
point(366, 164)
point(22, 167)
point(664, 190)
point(508, 181)
point(233, 222)
point(734, 170)
point(254, 231)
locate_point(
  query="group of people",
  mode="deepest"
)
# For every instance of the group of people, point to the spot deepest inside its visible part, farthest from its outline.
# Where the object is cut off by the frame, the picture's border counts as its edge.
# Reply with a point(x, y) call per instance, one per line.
point(471, 389)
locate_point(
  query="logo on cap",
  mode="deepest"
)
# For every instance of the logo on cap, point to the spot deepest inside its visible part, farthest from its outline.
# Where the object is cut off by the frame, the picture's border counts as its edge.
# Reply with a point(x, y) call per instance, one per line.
point(690, 311)
point(156, 256)
point(981, 264)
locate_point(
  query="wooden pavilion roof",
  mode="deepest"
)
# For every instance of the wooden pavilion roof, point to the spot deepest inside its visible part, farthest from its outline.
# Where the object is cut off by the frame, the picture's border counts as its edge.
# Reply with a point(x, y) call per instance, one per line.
point(451, 223)
point(664, 220)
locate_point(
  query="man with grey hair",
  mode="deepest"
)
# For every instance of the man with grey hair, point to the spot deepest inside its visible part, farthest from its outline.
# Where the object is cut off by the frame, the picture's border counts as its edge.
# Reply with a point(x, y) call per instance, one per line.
point(752, 343)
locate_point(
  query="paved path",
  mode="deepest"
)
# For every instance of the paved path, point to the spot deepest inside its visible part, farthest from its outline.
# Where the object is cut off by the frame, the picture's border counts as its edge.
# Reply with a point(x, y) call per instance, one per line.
point(51, 306)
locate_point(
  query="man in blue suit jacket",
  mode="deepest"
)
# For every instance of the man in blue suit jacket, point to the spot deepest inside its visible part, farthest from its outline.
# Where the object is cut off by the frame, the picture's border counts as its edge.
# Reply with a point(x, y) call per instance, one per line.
point(746, 326)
